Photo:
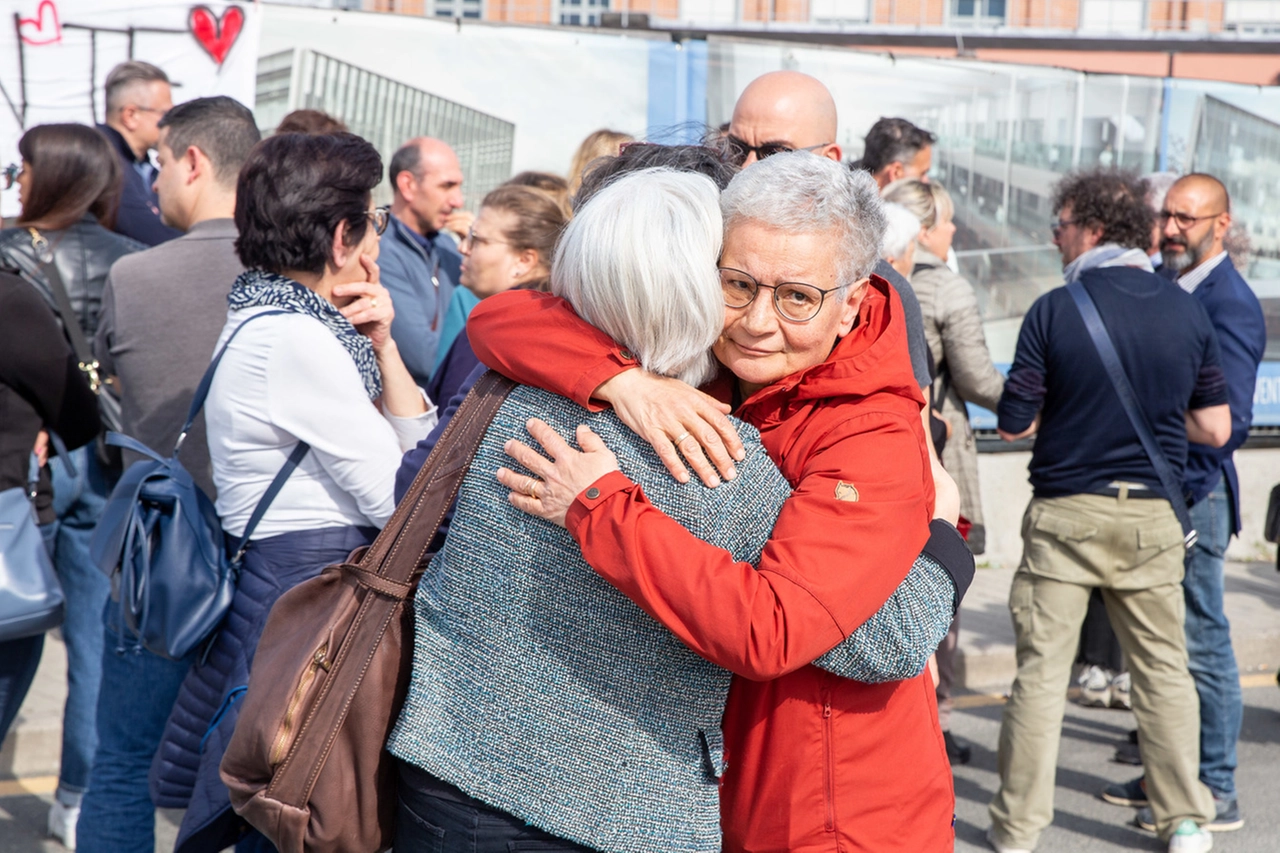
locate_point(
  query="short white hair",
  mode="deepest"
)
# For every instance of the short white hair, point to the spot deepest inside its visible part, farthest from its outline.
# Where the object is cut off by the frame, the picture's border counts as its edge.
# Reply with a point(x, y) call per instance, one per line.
point(901, 229)
point(801, 192)
point(638, 262)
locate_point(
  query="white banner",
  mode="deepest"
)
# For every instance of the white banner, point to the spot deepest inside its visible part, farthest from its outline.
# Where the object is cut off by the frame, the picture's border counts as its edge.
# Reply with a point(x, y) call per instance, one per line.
point(54, 61)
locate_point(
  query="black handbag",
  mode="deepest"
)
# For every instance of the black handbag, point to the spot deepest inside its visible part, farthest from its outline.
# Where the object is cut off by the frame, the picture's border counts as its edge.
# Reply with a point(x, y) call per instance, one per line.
point(161, 542)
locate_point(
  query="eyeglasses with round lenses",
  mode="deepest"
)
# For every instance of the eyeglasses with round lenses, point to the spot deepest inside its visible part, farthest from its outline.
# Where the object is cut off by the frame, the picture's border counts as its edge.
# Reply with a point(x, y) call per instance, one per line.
point(381, 218)
point(794, 301)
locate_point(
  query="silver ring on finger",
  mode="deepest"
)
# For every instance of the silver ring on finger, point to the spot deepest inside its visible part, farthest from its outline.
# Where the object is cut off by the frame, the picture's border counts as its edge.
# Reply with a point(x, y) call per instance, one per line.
point(680, 439)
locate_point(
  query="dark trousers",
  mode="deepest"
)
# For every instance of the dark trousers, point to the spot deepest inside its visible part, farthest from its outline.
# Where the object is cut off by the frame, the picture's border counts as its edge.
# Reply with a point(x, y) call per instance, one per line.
point(1099, 645)
point(435, 817)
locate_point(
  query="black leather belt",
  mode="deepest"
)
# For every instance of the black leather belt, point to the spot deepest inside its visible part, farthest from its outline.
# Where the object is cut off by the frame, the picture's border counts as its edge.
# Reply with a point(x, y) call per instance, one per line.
point(1129, 490)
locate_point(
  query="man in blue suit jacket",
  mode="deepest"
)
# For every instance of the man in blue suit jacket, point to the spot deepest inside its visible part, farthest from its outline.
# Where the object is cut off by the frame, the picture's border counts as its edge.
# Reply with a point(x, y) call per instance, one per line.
point(1193, 220)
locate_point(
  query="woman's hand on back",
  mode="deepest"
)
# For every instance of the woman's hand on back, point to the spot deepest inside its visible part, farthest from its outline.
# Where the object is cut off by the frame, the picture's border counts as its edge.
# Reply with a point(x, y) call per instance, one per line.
point(370, 310)
point(557, 482)
point(677, 420)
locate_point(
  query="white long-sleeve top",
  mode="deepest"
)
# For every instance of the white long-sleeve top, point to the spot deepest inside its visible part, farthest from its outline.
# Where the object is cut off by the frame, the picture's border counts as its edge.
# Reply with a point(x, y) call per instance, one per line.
point(286, 379)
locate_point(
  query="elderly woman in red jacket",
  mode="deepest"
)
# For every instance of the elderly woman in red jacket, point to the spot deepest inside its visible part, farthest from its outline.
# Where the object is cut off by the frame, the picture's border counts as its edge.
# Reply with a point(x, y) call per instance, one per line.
point(815, 353)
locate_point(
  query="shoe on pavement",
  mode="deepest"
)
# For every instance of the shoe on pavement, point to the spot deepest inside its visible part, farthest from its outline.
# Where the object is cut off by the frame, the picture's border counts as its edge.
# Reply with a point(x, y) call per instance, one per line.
point(1132, 793)
point(1189, 838)
point(1127, 753)
point(62, 823)
point(1226, 817)
point(1000, 848)
point(1095, 687)
point(958, 750)
point(1120, 692)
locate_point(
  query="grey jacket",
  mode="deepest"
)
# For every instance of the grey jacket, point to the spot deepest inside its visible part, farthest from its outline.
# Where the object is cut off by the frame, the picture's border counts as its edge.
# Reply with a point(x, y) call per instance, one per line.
point(953, 329)
point(162, 313)
point(541, 690)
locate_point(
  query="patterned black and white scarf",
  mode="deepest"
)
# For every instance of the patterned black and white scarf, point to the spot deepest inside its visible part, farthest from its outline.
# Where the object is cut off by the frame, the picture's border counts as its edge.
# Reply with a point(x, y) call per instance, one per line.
point(256, 288)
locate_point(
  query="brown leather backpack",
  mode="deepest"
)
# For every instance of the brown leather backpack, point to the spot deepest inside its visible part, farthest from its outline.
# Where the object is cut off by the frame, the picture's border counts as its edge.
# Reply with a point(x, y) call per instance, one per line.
point(306, 765)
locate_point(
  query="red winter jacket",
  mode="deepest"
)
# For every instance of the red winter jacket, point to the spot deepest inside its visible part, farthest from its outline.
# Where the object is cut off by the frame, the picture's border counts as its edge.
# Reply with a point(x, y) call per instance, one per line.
point(815, 762)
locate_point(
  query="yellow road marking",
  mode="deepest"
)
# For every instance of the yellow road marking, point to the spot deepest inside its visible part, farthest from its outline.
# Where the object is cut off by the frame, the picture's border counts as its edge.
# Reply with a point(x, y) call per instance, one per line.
point(28, 785)
point(985, 700)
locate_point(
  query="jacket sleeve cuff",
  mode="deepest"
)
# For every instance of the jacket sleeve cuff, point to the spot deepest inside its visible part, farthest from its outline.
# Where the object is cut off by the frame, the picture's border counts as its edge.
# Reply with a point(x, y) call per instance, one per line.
point(594, 495)
point(948, 548)
point(595, 375)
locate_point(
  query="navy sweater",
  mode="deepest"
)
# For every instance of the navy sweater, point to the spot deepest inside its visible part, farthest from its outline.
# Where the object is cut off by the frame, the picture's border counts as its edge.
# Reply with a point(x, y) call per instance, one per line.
point(1167, 346)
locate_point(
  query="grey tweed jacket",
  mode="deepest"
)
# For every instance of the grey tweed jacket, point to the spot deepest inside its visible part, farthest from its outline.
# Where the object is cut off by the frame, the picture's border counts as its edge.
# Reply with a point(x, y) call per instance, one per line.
point(541, 690)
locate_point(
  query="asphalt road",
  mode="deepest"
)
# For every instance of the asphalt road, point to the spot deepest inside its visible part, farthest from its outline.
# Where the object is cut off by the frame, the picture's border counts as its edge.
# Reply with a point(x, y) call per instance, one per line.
point(1083, 821)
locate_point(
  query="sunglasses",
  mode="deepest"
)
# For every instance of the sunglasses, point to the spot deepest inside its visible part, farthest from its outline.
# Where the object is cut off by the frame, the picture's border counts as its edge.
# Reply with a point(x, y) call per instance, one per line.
point(739, 149)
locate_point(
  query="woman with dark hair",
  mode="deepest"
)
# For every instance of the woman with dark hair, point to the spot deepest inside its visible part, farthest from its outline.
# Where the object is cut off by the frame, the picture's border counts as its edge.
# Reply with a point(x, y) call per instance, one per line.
point(312, 361)
point(69, 185)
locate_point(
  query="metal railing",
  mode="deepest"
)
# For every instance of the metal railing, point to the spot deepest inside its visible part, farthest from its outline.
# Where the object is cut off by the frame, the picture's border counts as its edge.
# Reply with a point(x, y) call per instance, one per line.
point(385, 112)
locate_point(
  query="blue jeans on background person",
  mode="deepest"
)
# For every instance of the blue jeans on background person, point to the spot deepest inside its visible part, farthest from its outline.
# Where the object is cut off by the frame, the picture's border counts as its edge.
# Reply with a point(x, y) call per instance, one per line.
point(1212, 660)
point(79, 502)
point(19, 660)
point(138, 691)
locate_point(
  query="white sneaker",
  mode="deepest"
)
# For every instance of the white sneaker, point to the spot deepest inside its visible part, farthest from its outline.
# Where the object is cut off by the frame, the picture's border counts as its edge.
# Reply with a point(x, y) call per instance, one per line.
point(1095, 687)
point(62, 823)
point(1000, 848)
point(1120, 692)
point(1189, 838)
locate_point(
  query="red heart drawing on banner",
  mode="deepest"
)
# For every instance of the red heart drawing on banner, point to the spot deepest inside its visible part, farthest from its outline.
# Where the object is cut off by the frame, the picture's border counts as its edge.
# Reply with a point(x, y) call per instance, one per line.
point(37, 30)
point(216, 35)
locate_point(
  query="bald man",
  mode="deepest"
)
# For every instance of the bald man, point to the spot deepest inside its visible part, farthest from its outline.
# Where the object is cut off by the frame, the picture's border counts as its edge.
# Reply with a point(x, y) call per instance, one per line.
point(790, 111)
point(1193, 221)
point(420, 265)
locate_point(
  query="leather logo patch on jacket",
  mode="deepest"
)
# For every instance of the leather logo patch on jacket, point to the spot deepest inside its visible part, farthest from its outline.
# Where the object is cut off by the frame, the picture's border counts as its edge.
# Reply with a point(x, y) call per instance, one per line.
point(846, 492)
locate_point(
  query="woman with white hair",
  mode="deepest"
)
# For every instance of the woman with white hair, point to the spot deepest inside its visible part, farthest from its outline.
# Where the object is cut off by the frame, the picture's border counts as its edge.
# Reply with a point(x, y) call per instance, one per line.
point(900, 233)
point(813, 353)
point(545, 708)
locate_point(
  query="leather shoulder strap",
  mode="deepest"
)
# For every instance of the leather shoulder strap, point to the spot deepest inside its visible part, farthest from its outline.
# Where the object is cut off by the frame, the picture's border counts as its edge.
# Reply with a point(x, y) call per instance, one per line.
point(401, 547)
point(1129, 400)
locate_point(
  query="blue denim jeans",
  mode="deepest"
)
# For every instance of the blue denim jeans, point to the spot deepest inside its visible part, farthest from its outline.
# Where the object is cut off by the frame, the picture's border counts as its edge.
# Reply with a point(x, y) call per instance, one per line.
point(79, 502)
point(1212, 660)
point(138, 691)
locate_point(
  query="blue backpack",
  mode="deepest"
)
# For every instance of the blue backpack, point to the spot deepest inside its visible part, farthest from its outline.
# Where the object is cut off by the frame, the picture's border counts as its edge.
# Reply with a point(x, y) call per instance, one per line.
point(161, 542)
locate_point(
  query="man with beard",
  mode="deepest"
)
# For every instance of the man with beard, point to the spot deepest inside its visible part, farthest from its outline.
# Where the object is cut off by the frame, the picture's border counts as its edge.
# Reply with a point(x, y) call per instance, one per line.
point(1193, 221)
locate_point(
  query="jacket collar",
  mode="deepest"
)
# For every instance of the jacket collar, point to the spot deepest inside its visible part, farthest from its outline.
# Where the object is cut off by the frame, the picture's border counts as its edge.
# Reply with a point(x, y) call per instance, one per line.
point(118, 142)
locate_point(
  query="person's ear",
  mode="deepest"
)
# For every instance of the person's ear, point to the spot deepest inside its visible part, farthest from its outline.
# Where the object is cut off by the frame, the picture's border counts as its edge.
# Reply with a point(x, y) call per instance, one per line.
point(896, 171)
point(404, 184)
point(1094, 234)
point(833, 152)
point(339, 251)
point(129, 117)
point(527, 262)
point(197, 165)
point(849, 307)
point(1222, 225)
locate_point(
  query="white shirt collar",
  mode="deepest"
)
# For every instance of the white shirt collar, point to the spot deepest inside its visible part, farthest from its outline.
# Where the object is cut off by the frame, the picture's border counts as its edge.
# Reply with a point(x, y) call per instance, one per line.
point(1189, 281)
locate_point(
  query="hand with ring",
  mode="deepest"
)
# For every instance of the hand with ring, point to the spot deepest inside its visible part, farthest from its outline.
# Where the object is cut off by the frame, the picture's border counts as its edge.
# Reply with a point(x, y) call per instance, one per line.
point(556, 482)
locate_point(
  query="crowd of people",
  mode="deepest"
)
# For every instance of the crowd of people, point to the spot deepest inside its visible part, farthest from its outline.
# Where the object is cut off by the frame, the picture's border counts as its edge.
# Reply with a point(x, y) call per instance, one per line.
point(712, 547)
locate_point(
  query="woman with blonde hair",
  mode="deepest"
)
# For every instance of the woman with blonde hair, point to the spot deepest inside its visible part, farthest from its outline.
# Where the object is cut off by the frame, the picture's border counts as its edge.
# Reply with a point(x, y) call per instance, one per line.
point(600, 143)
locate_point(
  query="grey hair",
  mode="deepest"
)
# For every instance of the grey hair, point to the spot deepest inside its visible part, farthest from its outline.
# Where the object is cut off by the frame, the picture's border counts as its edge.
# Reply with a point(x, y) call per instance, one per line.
point(804, 193)
point(125, 78)
point(1158, 184)
point(901, 227)
point(638, 262)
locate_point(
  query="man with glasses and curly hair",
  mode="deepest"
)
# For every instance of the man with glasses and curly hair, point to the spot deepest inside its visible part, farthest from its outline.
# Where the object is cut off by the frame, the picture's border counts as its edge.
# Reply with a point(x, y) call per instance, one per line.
point(1100, 516)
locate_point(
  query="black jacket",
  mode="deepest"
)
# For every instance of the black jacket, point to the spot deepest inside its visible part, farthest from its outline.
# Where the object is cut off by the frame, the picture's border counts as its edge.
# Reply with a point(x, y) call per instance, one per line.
point(40, 386)
point(83, 255)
